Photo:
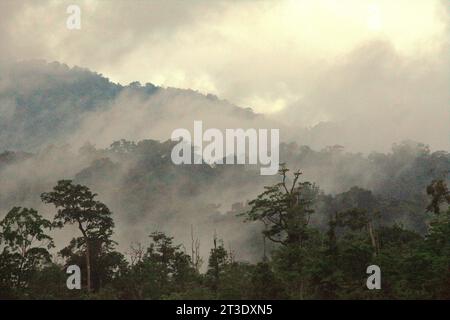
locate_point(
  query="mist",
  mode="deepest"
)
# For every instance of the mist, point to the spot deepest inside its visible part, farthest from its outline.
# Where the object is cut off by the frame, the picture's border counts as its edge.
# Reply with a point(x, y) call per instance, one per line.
point(344, 95)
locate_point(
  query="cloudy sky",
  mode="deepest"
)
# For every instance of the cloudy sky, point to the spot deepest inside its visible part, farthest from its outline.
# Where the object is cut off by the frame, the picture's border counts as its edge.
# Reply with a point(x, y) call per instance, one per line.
point(313, 60)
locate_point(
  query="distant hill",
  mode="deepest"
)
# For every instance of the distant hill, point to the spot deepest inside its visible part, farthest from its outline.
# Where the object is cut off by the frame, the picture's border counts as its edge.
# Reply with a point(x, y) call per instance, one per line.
point(44, 103)
point(59, 123)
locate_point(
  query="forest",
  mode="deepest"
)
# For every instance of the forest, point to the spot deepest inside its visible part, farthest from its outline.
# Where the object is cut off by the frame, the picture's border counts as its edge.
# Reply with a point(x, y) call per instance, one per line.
point(135, 161)
point(306, 244)
point(140, 227)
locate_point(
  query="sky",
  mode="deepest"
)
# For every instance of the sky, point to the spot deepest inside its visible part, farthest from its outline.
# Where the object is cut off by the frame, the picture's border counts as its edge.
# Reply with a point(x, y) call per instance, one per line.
point(254, 53)
point(303, 62)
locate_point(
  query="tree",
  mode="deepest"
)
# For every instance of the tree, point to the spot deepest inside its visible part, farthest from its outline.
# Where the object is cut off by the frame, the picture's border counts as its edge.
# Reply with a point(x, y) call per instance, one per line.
point(161, 270)
point(123, 146)
point(327, 277)
point(437, 241)
point(25, 243)
point(76, 204)
point(440, 195)
point(218, 259)
point(172, 265)
point(263, 283)
point(285, 209)
point(106, 263)
point(358, 220)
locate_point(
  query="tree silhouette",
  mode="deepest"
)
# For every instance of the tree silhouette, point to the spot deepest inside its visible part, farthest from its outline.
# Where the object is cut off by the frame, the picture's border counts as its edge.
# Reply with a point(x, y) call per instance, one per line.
point(76, 204)
point(25, 245)
point(284, 209)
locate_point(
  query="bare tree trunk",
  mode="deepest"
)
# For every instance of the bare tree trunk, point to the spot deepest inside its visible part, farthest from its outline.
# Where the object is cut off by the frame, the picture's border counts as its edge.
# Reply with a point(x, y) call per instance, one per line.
point(372, 238)
point(195, 251)
point(88, 265)
point(264, 246)
point(192, 245)
point(88, 256)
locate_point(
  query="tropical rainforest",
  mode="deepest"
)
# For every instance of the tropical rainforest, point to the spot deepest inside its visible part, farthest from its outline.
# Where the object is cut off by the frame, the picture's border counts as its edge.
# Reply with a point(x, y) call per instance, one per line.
point(85, 183)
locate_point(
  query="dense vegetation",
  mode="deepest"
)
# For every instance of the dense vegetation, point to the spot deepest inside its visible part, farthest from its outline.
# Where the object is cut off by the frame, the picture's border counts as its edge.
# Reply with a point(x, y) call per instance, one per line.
point(305, 260)
point(160, 231)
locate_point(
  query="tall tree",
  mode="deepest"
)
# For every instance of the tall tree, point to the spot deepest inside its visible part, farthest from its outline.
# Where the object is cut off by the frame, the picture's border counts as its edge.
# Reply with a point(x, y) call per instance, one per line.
point(218, 259)
point(25, 243)
point(285, 209)
point(439, 194)
point(76, 205)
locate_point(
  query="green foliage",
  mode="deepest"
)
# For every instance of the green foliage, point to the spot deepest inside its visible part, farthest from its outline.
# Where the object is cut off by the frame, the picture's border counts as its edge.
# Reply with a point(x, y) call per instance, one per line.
point(76, 204)
point(285, 209)
point(106, 263)
point(306, 260)
point(218, 260)
point(25, 244)
point(159, 271)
